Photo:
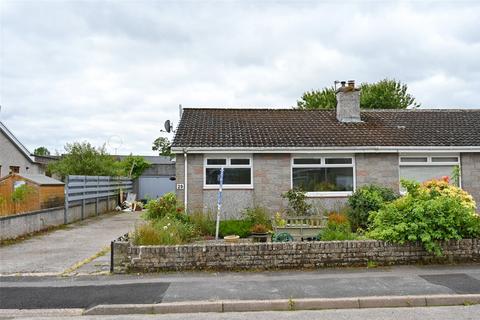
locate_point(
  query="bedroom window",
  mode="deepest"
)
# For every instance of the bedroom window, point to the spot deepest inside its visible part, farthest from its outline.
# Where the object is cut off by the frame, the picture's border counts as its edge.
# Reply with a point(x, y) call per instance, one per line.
point(237, 172)
point(323, 176)
point(427, 167)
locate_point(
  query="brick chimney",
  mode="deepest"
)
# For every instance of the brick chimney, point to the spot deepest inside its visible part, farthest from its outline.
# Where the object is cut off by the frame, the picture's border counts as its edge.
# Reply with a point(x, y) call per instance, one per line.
point(348, 102)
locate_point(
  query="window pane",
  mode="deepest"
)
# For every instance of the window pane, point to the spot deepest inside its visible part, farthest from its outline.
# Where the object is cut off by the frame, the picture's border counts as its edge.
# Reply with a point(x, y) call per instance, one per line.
point(338, 160)
point(444, 159)
point(216, 161)
point(307, 161)
point(230, 176)
point(413, 159)
point(323, 179)
point(240, 161)
point(425, 173)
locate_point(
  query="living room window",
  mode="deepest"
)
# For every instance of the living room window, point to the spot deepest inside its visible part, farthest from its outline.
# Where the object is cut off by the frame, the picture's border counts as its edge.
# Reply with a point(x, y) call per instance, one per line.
point(426, 167)
point(324, 175)
point(237, 172)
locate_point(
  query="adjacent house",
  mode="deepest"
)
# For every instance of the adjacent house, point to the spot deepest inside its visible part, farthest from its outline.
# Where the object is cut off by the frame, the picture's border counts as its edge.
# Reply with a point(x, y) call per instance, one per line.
point(327, 153)
point(14, 157)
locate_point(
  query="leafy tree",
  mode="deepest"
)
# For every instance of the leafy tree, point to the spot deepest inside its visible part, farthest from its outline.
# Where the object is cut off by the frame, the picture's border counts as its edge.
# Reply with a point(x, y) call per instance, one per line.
point(82, 158)
point(41, 151)
point(133, 166)
point(163, 146)
point(318, 99)
point(384, 94)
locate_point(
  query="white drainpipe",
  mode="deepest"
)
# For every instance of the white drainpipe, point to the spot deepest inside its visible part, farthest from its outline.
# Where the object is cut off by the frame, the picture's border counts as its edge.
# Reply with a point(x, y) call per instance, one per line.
point(185, 190)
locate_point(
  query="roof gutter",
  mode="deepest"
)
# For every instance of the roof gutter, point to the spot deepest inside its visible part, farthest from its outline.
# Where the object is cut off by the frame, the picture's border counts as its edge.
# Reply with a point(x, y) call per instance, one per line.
point(367, 149)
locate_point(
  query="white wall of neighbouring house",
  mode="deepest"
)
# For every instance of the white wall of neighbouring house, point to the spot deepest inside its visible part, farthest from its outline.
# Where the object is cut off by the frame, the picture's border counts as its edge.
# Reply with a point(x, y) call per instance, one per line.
point(10, 155)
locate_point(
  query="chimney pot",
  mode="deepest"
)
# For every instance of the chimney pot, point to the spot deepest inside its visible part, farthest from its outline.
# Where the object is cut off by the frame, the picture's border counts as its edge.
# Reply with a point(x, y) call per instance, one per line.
point(343, 83)
point(351, 83)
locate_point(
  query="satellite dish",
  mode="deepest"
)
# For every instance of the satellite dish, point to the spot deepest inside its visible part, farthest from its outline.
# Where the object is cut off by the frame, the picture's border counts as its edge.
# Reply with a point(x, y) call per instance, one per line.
point(168, 126)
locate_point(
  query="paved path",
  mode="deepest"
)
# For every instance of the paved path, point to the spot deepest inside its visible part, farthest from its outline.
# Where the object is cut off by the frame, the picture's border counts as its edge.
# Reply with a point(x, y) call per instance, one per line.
point(55, 252)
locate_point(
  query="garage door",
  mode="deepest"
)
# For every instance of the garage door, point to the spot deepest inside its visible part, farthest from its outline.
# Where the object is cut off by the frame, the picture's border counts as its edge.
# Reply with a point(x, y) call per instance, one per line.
point(154, 187)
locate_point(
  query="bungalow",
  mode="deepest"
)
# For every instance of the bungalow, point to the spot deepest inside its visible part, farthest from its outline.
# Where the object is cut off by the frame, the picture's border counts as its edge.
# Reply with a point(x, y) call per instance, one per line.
point(327, 153)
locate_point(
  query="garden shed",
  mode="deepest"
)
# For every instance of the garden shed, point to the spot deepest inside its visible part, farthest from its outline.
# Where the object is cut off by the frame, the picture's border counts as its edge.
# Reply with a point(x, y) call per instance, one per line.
point(29, 192)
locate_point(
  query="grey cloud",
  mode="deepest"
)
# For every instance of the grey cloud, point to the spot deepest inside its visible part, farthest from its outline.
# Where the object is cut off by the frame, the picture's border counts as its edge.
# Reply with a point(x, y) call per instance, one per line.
point(89, 70)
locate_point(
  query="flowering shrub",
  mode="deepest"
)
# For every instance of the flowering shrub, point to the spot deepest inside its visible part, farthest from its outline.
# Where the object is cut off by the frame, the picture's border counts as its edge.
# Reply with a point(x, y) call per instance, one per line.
point(444, 188)
point(429, 213)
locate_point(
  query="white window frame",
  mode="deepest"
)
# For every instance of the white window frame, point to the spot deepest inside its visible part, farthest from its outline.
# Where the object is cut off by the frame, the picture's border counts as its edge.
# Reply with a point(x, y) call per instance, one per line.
point(429, 162)
point(227, 165)
point(318, 194)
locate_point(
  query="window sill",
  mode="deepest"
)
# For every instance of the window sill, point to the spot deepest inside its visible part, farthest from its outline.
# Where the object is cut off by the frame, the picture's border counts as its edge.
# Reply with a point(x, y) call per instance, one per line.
point(329, 194)
point(230, 187)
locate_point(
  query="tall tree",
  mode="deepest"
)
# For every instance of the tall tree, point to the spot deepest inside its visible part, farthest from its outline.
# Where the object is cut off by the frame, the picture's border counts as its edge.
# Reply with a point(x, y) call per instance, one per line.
point(41, 151)
point(384, 94)
point(163, 146)
point(82, 158)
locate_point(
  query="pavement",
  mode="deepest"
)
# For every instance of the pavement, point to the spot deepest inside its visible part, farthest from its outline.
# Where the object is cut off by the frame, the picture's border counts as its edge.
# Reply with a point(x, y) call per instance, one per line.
point(58, 251)
point(89, 291)
point(413, 313)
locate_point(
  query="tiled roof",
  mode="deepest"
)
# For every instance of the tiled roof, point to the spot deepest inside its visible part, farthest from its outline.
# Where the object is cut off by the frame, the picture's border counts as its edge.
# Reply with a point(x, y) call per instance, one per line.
point(284, 128)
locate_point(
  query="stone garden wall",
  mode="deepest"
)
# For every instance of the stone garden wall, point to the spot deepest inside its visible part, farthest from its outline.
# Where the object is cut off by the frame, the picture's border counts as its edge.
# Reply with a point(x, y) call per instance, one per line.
point(290, 255)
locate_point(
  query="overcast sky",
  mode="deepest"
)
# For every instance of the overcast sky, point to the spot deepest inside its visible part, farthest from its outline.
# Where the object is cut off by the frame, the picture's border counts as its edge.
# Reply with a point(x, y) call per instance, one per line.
point(116, 70)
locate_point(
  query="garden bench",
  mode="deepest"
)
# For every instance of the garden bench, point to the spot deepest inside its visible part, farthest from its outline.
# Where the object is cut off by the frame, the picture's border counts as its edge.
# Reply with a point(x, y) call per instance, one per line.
point(302, 227)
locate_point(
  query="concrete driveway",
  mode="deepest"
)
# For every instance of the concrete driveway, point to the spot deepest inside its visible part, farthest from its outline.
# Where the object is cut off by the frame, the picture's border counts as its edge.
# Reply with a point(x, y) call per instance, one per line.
point(57, 251)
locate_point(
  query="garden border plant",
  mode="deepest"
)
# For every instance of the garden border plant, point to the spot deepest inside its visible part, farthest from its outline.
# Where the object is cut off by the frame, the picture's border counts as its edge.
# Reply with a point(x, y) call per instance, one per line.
point(429, 213)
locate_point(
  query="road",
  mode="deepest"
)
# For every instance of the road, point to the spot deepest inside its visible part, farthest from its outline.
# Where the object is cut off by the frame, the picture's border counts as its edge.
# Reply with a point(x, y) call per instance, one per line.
point(88, 291)
point(424, 313)
point(55, 252)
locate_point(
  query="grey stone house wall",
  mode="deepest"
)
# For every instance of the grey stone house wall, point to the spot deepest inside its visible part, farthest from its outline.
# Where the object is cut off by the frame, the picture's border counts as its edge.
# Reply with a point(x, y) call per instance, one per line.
point(272, 177)
point(11, 156)
point(470, 166)
point(377, 168)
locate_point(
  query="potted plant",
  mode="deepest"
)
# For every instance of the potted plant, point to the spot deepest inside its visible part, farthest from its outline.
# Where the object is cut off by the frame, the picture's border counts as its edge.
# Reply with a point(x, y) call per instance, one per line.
point(259, 233)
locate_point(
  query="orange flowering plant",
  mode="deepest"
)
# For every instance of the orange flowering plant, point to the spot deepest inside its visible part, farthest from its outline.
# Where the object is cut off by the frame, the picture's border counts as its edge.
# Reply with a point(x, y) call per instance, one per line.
point(443, 187)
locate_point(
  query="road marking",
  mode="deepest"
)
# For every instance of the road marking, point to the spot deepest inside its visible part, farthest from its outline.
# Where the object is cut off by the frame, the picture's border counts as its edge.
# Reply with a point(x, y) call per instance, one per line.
point(85, 261)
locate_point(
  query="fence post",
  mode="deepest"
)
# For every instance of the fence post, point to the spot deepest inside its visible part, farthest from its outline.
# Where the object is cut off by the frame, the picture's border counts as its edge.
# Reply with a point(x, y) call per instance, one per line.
point(108, 195)
point(65, 206)
point(83, 197)
point(96, 198)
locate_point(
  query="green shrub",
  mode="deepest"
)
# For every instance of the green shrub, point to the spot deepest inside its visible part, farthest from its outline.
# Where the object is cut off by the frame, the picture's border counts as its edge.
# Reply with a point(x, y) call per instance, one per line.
point(425, 215)
point(164, 206)
point(297, 202)
point(257, 215)
point(235, 227)
point(204, 223)
point(366, 199)
point(337, 228)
